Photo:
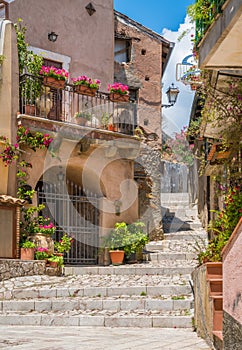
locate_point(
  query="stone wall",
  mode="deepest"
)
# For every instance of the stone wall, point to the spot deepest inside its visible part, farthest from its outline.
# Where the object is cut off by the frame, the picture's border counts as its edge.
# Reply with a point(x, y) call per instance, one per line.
point(203, 307)
point(174, 177)
point(10, 268)
point(144, 70)
point(232, 332)
point(150, 206)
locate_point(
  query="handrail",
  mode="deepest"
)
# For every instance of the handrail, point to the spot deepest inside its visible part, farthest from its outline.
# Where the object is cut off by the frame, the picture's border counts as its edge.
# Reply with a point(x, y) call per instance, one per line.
point(214, 7)
point(68, 106)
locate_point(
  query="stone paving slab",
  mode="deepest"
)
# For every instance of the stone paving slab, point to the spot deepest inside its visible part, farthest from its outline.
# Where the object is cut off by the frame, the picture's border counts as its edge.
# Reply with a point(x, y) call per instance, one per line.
point(97, 320)
point(181, 267)
point(159, 290)
point(117, 304)
point(98, 338)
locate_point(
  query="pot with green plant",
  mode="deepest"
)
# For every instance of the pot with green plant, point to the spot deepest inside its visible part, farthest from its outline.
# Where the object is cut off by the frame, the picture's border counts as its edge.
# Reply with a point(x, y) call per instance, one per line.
point(27, 250)
point(54, 77)
point(129, 238)
point(37, 228)
point(82, 118)
point(56, 261)
point(41, 253)
point(118, 92)
point(63, 246)
point(86, 86)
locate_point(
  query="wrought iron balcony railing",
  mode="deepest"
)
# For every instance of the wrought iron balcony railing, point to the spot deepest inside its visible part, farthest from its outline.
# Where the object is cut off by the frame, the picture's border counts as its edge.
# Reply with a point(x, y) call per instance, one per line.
point(65, 105)
point(211, 9)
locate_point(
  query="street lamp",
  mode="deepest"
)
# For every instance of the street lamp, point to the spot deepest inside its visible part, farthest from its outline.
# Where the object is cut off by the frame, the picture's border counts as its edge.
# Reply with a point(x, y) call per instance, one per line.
point(172, 94)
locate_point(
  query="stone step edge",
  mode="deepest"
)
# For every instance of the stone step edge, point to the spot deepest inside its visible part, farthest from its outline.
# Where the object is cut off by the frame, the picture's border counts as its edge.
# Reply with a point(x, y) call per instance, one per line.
point(98, 321)
point(126, 270)
point(158, 290)
point(109, 305)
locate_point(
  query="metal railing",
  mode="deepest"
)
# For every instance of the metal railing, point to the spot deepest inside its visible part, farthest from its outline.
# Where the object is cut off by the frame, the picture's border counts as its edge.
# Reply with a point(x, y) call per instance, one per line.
point(65, 105)
point(211, 9)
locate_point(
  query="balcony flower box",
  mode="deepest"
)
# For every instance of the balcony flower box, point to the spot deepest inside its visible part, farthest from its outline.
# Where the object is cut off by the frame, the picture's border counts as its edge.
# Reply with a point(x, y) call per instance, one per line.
point(85, 90)
point(116, 97)
point(86, 86)
point(54, 77)
point(118, 92)
point(54, 83)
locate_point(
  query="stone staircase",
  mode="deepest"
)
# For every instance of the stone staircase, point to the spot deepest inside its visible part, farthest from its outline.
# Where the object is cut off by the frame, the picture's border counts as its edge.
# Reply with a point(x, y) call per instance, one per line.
point(178, 213)
point(130, 296)
point(156, 293)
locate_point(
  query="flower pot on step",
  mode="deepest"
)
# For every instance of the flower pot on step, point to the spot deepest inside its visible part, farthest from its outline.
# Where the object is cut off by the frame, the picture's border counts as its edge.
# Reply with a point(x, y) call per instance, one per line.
point(27, 253)
point(116, 256)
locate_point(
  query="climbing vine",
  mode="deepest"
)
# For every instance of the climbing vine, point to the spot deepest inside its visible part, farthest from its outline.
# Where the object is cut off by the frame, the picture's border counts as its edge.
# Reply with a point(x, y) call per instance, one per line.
point(11, 153)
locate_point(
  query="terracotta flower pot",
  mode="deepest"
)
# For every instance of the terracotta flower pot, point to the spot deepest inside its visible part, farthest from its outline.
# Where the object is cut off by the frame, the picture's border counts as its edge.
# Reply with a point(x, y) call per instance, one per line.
point(85, 90)
point(30, 109)
point(54, 83)
point(115, 97)
point(116, 256)
point(53, 264)
point(27, 253)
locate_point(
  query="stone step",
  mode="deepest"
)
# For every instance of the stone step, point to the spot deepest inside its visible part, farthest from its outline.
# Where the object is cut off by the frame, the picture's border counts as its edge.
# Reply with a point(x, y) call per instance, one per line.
point(181, 213)
point(182, 287)
point(78, 304)
point(191, 236)
point(179, 225)
point(174, 206)
point(119, 319)
point(173, 257)
point(174, 197)
point(175, 246)
point(128, 270)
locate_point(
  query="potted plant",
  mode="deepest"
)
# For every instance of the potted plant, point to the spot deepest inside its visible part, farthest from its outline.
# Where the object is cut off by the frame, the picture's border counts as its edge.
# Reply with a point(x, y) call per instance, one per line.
point(54, 77)
point(55, 261)
point(27, 250)
point(41, 253)
point(37, 228)
point(118, 92)
point(86, 86)
point(125, 240)
point(82, 118)
point(63, 245)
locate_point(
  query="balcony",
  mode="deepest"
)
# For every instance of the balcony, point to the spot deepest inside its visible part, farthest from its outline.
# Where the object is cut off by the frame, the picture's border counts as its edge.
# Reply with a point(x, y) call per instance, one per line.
point(218, 37)
point(212, 8)
point(66, 106)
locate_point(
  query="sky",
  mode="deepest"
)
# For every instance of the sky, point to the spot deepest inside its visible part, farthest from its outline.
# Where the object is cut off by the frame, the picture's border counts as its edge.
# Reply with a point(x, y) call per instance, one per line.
point(169, 19)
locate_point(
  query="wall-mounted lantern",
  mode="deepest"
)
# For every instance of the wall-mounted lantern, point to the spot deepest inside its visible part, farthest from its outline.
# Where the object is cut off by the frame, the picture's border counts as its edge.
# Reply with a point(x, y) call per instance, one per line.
point(52, 36)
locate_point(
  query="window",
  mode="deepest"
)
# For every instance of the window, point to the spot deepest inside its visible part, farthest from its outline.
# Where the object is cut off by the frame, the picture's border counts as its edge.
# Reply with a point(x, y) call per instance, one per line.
point(55, 64)
point(133, 94)
point(122, 50)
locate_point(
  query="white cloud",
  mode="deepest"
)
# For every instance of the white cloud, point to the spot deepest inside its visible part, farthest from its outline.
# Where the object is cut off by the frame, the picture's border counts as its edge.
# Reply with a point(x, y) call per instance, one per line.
point(174, 118)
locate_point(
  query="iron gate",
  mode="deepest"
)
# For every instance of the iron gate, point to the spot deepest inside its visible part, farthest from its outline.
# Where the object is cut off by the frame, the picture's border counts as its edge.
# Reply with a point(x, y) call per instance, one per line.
point(76, 214)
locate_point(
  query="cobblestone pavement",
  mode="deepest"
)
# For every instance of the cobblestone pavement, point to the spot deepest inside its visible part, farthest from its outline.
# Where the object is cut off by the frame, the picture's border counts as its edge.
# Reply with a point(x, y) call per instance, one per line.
point(76, 338)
